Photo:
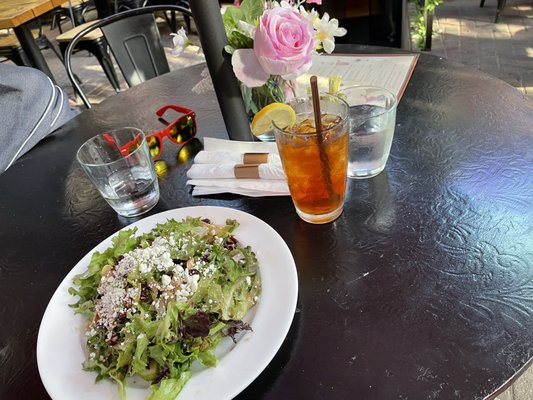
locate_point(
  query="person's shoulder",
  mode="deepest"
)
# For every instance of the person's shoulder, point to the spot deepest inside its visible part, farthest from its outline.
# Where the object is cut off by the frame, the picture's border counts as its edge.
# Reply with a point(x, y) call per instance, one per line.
point(31, 107)
point(25, 79)
point(18, 71)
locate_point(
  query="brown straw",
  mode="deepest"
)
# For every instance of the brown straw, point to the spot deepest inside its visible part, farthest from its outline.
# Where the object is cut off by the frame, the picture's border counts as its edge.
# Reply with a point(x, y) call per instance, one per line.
point(316, 106)
point(320, 135)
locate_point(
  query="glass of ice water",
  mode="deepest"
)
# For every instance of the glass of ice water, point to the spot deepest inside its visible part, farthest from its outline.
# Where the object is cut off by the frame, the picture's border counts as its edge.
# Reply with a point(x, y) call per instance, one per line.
point(372, 118)
point(119, 164)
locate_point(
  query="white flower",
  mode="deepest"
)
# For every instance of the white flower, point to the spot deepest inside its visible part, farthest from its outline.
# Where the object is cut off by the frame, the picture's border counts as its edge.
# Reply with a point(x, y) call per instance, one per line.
point(247, 29)
point(180, 41)
point(311, 16)
point(326, 30)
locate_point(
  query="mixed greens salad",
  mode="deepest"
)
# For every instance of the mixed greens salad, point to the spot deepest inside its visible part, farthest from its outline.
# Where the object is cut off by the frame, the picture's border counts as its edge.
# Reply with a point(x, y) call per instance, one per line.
point(160, 301)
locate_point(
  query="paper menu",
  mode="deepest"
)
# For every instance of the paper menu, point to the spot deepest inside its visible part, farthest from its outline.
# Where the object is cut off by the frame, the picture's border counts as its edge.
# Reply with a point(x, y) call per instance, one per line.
point(391, 71)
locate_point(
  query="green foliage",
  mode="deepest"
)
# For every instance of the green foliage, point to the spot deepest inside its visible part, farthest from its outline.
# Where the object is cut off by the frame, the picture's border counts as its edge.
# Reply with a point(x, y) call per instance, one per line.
point(418, 20)
point(231, 18)
point(237, 40)
point(252, 9)
point(249, 12)
point(258, 97)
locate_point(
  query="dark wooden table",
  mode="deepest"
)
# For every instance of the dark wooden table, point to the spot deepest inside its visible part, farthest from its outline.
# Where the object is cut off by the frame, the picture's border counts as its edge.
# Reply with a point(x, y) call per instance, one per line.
point(422, 289)
point(17, 14)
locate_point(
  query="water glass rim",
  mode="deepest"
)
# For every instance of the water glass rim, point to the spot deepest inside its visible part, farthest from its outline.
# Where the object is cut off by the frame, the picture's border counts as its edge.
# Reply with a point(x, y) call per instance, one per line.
point(356, 86)
point(374, 87)
point(125, 157)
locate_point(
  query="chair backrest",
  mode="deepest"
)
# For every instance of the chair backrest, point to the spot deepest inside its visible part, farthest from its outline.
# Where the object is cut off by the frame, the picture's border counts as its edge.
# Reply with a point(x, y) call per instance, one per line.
point(134, 40)
point(136, 45)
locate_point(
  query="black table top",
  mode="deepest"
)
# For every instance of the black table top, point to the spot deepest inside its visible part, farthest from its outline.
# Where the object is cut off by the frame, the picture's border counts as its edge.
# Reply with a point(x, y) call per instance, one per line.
point(422, 289)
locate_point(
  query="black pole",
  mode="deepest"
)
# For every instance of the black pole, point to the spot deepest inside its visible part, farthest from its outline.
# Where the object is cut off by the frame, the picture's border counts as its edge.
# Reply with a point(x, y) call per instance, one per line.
point(428, 21)
point(213, 38)
point(30, 47)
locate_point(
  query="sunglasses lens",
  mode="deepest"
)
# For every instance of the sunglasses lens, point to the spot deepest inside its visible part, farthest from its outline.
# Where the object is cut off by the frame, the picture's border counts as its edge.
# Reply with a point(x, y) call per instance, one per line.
point(154, 145)
point(183, 130)
point(132, 148)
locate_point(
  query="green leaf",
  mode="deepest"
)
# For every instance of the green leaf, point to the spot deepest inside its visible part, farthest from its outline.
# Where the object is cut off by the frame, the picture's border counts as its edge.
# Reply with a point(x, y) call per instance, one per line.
point(140, 358)
point(207, 359)
point(252, 9)
point(121, 388)
point(247, 98)
point(169, 388)
point(125, 355)
point(238, 40)
point(231, 18)
point(229, 49)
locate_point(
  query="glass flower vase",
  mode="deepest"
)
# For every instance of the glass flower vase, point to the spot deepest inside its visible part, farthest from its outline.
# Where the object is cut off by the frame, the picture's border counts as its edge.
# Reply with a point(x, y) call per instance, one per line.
point(275, 90)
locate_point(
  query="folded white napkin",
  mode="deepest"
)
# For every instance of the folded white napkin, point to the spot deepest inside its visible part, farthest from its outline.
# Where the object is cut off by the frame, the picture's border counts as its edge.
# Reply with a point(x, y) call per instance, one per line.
point(246, 187)
point(234, 157)
point(225, 171)
point(224, 167)
point(214, 144)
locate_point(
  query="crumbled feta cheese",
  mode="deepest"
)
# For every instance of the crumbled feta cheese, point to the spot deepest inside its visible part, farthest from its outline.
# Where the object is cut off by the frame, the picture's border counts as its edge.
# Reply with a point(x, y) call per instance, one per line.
point(238, 257)
point(165, 280)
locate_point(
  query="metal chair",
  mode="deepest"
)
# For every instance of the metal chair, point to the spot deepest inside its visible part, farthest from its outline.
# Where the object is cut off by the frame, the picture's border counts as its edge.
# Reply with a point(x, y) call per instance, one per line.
point(499, 8)
point(72, 9)
point(11, 48)
point(171, 20)
point(93, 42)
point(134, 40)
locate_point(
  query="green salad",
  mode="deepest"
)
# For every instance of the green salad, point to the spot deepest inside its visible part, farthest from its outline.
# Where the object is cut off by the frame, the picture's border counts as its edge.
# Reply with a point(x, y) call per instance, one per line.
point(160, 301)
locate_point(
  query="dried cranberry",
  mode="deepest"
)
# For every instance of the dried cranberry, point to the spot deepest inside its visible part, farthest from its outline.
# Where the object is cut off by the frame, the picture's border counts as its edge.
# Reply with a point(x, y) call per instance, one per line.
point(128, 302)
point(230, 243)
point(145, 293)
point(112, 340)
point(163, 373)
point(122, 318)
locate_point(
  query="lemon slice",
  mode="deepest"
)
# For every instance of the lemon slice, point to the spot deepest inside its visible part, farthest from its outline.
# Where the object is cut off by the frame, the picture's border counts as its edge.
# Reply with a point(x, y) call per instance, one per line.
point(282, 114)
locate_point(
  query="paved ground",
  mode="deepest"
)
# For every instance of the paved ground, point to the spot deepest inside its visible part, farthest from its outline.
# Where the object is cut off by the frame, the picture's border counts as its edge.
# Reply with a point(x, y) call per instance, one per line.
point(463, 32)
point(466, 33)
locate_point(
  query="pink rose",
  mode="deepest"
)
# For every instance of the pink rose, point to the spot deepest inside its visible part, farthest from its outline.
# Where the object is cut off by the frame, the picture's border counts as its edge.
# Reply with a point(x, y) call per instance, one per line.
point(284, 42)
point(283, 45)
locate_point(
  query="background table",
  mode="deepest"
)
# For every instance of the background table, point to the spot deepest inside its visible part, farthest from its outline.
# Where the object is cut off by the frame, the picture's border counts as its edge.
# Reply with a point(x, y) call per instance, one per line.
point(422, 289)
point(16, 14)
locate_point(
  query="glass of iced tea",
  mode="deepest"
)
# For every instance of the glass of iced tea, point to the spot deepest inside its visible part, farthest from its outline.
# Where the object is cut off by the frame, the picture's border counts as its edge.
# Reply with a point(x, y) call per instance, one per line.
point(315, 163)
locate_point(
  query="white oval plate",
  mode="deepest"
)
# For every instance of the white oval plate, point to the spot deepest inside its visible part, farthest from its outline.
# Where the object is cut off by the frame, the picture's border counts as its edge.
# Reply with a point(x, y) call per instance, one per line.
point(61, 346)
